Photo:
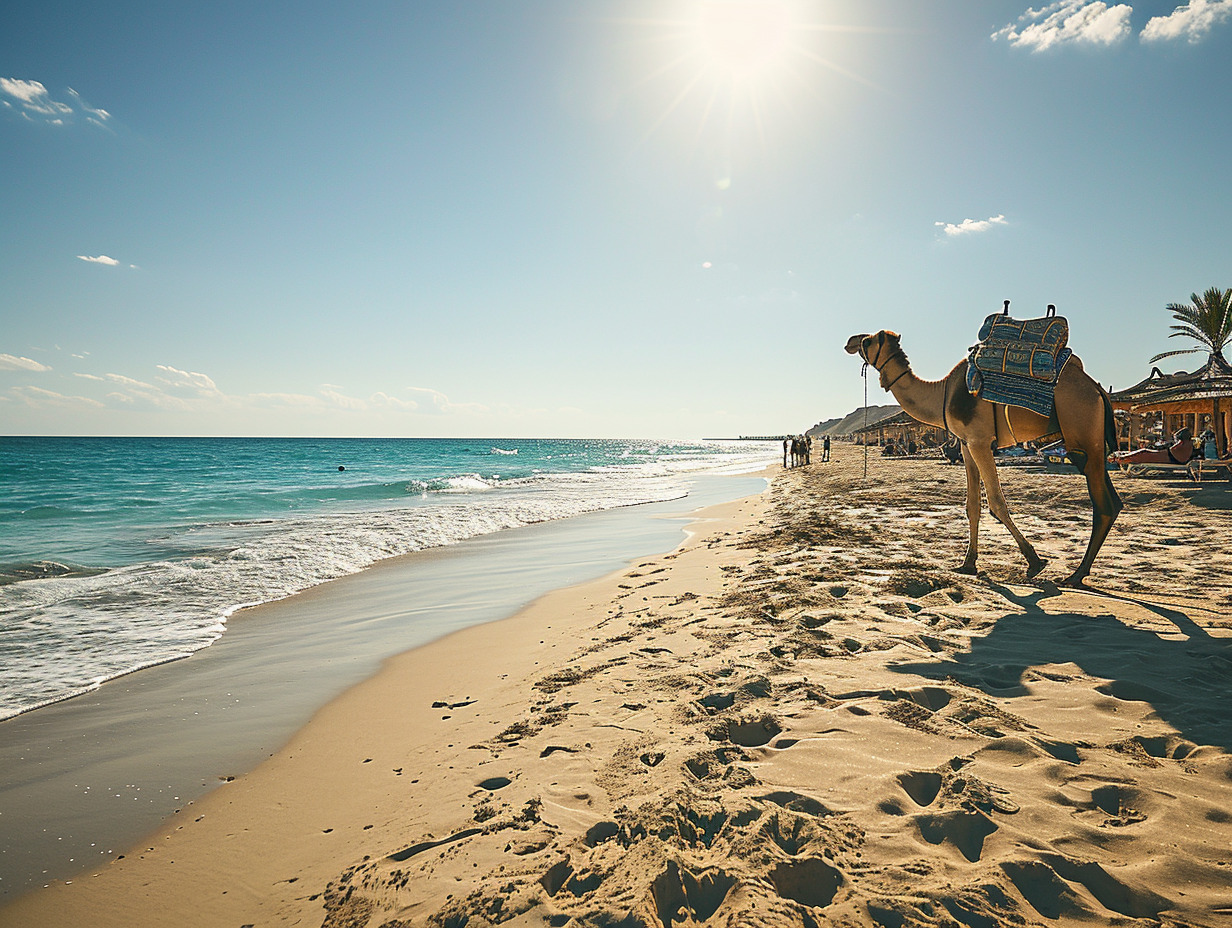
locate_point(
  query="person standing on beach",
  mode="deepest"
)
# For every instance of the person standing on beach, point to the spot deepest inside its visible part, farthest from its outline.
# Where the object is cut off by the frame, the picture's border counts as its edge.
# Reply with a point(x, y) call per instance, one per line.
point(1209, 449)
point(825, 448)
point(786, 443)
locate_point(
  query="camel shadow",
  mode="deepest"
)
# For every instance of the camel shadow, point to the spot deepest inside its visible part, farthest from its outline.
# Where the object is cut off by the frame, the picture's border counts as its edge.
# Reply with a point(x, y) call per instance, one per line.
point(1188, 683)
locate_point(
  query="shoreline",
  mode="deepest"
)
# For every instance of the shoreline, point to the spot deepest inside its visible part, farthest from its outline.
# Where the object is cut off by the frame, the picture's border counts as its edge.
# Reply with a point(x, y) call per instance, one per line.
point(799, 716)
point(86, 776)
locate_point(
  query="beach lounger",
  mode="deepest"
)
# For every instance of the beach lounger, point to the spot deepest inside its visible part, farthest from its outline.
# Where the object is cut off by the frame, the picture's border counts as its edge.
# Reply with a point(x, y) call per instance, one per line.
point(1155, 469)
point(1212, 470)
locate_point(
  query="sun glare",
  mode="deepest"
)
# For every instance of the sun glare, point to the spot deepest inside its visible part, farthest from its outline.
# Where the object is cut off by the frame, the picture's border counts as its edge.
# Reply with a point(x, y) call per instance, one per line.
point(722, 73)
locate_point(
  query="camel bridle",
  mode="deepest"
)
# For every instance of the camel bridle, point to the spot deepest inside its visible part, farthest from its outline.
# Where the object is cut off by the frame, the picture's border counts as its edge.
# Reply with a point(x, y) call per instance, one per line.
point(872, 362)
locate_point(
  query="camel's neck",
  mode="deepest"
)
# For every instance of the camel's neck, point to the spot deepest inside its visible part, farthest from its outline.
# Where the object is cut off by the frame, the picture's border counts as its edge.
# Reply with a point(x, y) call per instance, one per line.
point(923, 400)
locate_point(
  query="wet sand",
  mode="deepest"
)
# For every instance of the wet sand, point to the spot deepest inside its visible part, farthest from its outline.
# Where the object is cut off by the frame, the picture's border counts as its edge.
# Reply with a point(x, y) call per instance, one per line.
point(802, 716)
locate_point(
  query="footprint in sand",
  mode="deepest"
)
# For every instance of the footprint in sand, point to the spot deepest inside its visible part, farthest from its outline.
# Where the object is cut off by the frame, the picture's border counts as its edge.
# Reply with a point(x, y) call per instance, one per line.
point(810, 882)
point(1122, 804)
point(1045, 884)
point(966, 830)
point(717, 702)
point(746, 732)
point(492, 784)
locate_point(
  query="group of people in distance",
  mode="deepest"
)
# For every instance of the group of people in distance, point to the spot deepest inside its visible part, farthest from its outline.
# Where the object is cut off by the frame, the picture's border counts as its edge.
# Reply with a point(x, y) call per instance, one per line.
point(798, 449)
point(909, 447)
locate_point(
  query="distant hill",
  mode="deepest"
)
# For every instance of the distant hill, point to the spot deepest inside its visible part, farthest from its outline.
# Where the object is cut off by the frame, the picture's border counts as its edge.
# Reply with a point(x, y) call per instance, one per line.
point(852, 421)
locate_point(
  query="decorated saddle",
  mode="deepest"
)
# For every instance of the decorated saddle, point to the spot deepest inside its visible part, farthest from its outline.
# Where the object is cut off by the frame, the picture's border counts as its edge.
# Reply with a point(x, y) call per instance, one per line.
point(1017, 361)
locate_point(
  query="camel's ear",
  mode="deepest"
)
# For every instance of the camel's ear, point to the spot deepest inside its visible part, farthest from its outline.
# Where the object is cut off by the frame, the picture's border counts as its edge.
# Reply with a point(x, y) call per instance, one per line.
point(853, 343)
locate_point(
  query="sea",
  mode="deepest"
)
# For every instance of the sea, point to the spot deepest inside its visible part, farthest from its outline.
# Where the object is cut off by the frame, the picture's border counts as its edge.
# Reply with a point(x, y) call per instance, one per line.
point(118, 554)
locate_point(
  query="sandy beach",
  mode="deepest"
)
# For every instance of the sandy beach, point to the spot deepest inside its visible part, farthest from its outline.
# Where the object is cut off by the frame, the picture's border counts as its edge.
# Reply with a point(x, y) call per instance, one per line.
point(800, 717)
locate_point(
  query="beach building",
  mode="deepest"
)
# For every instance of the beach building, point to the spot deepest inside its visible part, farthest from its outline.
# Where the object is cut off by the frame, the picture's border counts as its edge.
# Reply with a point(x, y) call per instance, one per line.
point(1160, 405)
point(900, 428)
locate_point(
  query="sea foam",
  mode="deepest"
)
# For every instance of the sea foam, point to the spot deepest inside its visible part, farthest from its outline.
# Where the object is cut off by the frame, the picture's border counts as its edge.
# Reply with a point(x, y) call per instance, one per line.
point(64, 629)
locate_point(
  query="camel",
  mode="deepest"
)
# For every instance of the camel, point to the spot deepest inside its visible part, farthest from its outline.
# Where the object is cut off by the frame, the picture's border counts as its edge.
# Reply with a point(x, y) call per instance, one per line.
point(1083, 415)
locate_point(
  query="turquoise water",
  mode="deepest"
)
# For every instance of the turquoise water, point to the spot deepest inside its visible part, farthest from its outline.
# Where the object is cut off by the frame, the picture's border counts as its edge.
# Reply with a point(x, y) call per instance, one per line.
point(122, 553)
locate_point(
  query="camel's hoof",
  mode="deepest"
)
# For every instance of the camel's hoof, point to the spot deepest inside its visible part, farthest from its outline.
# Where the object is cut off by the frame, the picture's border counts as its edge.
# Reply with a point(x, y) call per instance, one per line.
point(1035, 568)
point(1074, 582)
point(968, 569)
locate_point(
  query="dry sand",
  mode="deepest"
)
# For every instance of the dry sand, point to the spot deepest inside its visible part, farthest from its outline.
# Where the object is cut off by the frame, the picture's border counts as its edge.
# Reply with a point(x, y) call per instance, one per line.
point(800, 717)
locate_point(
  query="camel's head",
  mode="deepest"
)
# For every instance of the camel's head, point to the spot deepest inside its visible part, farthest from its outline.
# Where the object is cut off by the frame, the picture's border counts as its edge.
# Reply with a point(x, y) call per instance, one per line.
point(875, 349)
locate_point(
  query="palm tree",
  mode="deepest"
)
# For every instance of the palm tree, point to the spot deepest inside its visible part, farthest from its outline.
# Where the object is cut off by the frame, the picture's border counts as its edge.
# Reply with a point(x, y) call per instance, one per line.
point(1207, 320)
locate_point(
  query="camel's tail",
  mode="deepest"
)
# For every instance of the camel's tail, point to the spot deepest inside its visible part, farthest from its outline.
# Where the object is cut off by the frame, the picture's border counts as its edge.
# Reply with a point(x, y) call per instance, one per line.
point(1111, 440)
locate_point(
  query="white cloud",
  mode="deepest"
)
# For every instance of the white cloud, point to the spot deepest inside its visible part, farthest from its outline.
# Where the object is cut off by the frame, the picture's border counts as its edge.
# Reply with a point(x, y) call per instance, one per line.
point(341, 399)
point(35, 103)
point(434, 401)
point(130, 382)
point(38, 397)
point(135, 392)
point(188, 381)
point(196, 394)
point(384, 400)
point(96, 116)
point(104, 259)
point(1191, 21)
point(10, 362)
point(1069, 22)
point(969, 226)
point(280, 400)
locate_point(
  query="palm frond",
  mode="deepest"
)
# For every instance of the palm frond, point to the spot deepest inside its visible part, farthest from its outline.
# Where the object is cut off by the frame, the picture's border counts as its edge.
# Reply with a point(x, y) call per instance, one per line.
point(1169, 354)
point(1188, 330)
point(1207, 320)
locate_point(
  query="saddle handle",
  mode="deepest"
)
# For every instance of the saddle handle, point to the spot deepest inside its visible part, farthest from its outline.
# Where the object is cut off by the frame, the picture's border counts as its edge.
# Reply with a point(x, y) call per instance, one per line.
point(1006, 310)
point(1052, 311)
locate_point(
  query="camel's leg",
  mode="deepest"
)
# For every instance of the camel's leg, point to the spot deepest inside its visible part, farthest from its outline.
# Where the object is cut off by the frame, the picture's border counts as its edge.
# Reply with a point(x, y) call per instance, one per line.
point(982, 456)
point(1105, 502)
point(973, 512)
point(1106, 505)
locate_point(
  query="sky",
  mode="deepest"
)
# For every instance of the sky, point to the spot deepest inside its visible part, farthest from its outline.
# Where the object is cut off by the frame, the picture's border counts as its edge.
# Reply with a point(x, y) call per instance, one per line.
point(572, 219)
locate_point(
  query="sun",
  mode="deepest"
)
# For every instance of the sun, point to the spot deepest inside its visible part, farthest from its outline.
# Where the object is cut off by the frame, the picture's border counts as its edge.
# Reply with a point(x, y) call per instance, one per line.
point(743, 40)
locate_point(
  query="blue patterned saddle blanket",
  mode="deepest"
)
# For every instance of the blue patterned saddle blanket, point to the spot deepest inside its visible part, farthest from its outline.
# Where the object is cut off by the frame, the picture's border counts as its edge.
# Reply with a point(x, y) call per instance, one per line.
point(1017, 361)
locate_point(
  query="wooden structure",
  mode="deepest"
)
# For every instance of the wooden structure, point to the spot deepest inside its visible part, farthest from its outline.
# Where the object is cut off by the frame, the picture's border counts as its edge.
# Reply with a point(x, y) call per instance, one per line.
point(1161, 405)
point(900, 428)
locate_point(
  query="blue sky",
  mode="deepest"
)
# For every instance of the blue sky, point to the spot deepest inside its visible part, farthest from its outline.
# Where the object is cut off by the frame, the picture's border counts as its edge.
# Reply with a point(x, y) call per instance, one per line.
point(583, 218)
